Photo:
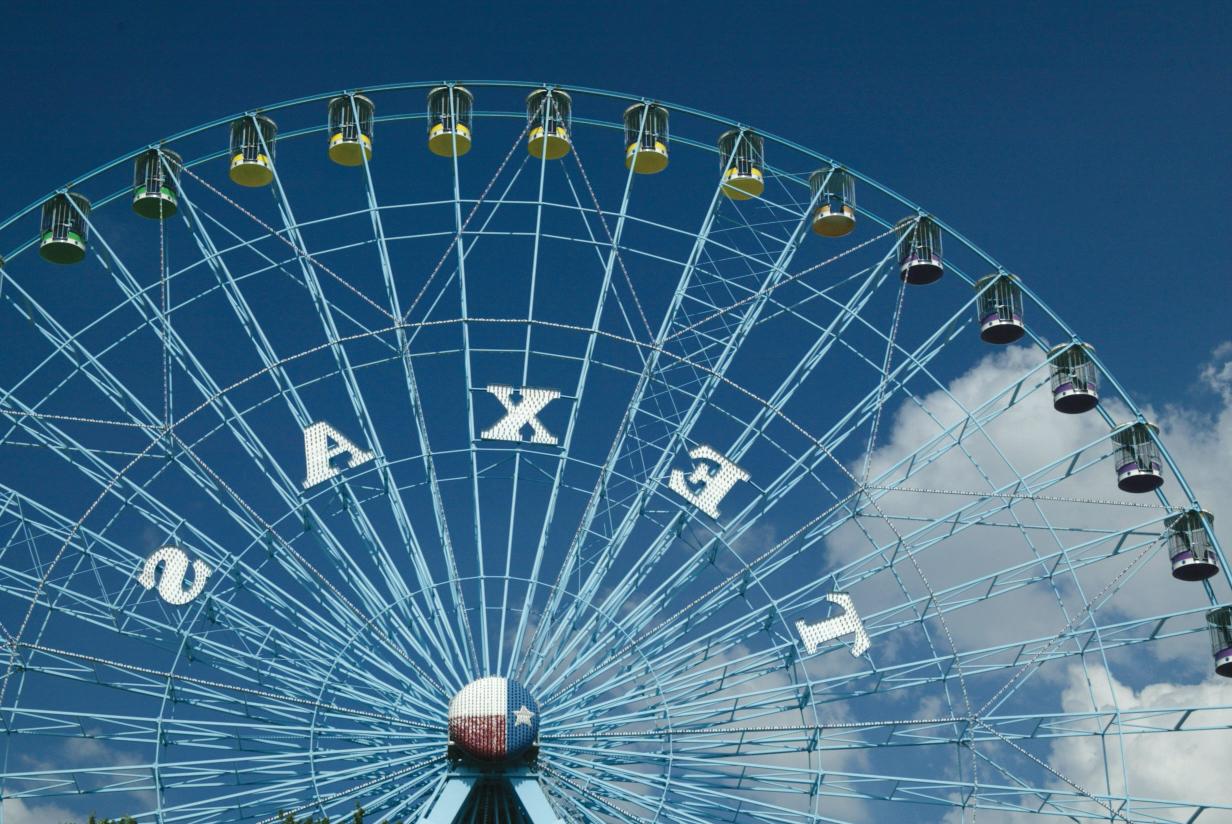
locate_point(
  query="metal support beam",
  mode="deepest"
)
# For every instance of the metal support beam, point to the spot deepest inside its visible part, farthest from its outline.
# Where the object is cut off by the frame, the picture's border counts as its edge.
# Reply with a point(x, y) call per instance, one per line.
point(455, 791)
point(444, 808)
point(534, 799)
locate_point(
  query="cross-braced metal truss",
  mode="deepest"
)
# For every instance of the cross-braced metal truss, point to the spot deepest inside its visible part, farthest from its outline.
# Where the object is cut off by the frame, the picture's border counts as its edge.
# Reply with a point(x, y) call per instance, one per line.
point(765, 527)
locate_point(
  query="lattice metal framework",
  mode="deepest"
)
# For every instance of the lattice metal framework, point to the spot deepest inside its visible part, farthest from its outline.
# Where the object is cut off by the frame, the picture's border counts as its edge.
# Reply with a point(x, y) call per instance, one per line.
point(759, 526)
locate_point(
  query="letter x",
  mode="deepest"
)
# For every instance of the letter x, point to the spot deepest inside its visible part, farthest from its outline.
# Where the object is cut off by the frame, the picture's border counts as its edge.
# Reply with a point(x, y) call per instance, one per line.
point(519, 415)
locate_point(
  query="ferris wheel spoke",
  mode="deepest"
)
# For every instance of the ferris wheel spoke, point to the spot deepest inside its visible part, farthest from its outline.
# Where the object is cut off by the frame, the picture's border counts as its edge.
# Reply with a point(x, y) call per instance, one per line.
point(365, 420)
point(142, 299)
point(253, 578)
point(401, 797)
point(1091, 547)
point(83, 667)
point(696, 685)
point(266, 529)
point(782, 308)
point(400, 512)
point(681, 656)
point(769, 778)
point(1018, 490)
point(766, 498)
point(903, 675)
point(106, 478)
point(682, 666)
point(667, 536)
point(460, 250)
point(665, 650)
point(291, 237)
point(279, 712)
point(582, 801)
point(825, 525)
point(455, 245)
point(259, 771)
point(592, 511)
point(1009, 656)
point(135, 414)
point(1045, 528)
point(1001, 768)
point(612, 795)
point(171, 527)
point(662, 634)
point(708, 790)
point(923, 732)
point(240, 665)
point(198, 220)
point(612, 238)
point(664, 453)
point(652, 607)
point(606, 287)
point(863, 786)
point(265, 790)
point(208, 733)
point(365, 590)
point(690, 675)
point(901, 790)
point(515, 487)
point(298, 409)
point(1079, 802)
point(985, 476)
point(387, 641)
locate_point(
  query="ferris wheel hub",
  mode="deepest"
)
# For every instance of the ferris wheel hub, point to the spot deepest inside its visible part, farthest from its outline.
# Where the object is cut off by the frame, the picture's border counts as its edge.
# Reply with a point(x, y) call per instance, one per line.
point(493, 719)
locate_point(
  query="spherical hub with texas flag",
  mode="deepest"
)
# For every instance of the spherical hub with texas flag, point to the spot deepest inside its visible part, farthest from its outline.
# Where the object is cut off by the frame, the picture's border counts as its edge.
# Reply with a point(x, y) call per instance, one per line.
point(493, 719)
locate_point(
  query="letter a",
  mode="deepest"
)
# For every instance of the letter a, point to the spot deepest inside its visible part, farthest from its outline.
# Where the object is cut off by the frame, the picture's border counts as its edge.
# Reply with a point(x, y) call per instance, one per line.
point(714, 484)
point(520, 415)
point(323, 443)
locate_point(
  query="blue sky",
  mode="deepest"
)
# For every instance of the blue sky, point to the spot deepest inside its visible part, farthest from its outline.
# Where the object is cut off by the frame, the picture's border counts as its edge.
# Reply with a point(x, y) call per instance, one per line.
point(1083, 145)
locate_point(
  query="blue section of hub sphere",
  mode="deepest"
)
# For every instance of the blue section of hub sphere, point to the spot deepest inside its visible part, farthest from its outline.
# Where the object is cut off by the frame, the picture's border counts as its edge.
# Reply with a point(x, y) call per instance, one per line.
point(521, 719)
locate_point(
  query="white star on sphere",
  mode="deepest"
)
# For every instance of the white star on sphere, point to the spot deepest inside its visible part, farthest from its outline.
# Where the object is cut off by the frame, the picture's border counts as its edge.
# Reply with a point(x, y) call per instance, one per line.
point(523, 715)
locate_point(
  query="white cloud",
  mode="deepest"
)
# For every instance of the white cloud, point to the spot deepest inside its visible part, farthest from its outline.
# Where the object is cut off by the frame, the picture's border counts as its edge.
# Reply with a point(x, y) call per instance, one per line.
point(17, 811)
point(1217, 374)
point(1189, 766)
point(1180, 766)
point(67, 755)
point(1201, 442)
point(1028, 436)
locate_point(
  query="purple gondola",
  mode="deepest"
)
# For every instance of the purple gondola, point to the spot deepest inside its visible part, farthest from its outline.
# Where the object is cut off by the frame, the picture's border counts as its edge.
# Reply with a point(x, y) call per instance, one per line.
point(1139, 466)
point(1219, 624)
point(1189, 545)
point(919, 250)
point(1075, 382)
point(998, 306)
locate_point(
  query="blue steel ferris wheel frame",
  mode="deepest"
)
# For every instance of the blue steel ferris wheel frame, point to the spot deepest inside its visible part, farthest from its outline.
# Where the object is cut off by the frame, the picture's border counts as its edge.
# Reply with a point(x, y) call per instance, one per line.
point(606, 753)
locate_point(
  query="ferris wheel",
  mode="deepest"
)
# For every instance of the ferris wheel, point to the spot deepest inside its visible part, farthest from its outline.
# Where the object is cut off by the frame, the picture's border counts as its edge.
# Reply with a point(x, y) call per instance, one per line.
point(404, 455)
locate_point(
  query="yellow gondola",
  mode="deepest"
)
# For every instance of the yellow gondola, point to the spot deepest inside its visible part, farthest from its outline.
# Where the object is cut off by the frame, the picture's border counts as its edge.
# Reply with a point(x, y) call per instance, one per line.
point(742, 158)
point(252, 150)
point(449, 121)
point(646, 138)
point(549, 117)
point(350, 129)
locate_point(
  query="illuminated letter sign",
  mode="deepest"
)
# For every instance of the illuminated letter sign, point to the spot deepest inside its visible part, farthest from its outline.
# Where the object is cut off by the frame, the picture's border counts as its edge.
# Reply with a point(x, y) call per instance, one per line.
point(175, 569)
point(714, 484)
point(814, 635)
point(520, 415)
point(323, 443)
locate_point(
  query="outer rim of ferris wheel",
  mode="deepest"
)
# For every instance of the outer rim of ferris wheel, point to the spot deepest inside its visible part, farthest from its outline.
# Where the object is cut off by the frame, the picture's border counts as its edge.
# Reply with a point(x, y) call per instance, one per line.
point(970, 709)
